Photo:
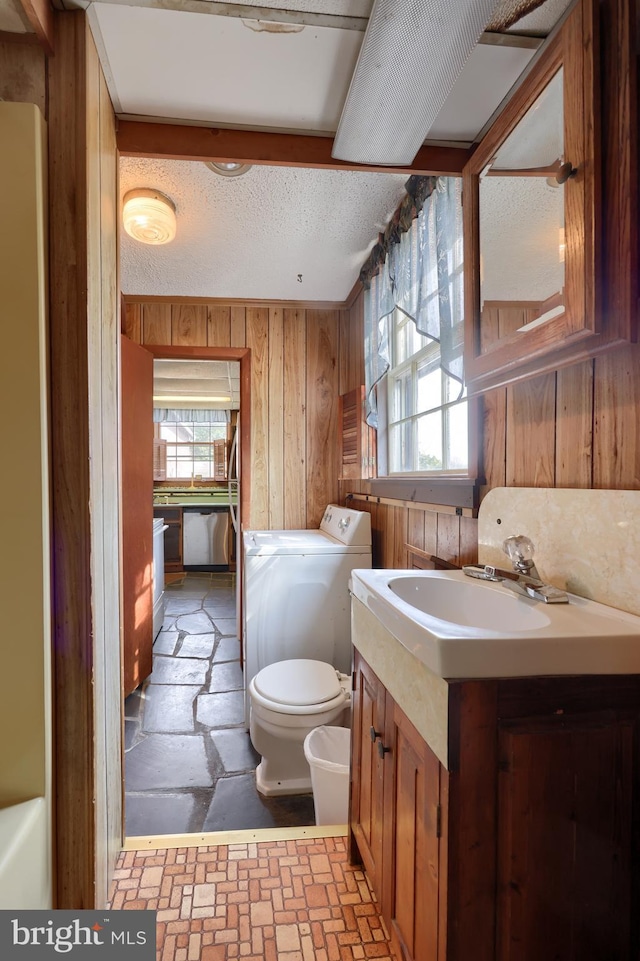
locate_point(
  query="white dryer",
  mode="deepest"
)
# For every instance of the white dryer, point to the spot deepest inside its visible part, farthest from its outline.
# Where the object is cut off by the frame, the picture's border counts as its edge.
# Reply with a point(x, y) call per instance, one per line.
point(296, 591)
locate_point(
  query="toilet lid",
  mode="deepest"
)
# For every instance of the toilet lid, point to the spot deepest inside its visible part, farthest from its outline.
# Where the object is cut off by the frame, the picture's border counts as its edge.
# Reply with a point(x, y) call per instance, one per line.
point(298, 682)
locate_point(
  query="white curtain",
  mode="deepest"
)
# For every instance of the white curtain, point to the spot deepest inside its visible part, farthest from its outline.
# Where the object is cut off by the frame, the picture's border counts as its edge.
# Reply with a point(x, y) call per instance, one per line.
point(163, 415)
point(421, 276)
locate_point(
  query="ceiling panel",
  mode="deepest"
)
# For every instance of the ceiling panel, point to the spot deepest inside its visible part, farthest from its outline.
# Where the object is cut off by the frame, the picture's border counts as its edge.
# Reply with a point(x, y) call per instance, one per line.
point(223, 70)
point(251, 236)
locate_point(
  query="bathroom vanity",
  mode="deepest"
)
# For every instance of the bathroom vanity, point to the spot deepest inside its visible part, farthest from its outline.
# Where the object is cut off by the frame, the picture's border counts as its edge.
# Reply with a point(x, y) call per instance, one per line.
point(497, 818)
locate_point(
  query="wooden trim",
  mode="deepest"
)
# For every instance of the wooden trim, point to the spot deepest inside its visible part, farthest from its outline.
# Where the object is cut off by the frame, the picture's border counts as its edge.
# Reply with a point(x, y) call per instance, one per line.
point(472, 814)
point(426, 561)
point(353, 295)
point(414, 505)
point(243, 355)
point(40, 15)
point(30, 38)
point(232, 302)
point(185, 142)
point(73, 626)
point(213, 838)
point(445, 491)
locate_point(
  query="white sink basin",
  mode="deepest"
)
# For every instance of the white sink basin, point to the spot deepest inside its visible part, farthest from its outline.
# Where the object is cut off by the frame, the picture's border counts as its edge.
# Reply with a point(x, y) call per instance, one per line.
point(459, 627)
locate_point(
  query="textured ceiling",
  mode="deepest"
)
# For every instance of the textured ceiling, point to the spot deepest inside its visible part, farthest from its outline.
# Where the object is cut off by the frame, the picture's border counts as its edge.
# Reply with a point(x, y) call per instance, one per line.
point(187, 378)
point(251, 236)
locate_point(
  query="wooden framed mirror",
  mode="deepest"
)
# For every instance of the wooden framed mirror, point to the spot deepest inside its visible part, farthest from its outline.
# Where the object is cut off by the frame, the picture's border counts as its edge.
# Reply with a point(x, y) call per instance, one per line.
point(531, 200)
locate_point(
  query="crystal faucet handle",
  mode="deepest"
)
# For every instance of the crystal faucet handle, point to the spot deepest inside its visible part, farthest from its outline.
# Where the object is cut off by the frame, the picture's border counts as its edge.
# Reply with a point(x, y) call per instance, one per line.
point(519, 549)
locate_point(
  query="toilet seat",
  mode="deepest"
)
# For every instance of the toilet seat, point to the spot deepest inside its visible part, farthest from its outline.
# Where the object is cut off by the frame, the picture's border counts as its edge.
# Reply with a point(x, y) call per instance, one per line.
point(299, 687)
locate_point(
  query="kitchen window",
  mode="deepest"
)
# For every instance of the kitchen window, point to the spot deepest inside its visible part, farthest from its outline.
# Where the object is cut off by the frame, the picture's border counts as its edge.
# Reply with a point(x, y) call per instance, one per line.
point(190, 448)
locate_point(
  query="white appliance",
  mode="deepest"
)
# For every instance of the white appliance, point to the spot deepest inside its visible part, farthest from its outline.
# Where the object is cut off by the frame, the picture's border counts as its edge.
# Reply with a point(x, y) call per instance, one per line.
point(296, 592)
point(159, 527)
point(205, 538)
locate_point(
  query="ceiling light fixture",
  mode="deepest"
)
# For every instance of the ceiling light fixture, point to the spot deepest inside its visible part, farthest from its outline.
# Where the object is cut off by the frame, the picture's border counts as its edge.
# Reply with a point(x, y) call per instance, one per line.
point(228, 169)
point(149, 216)
point(411, 56)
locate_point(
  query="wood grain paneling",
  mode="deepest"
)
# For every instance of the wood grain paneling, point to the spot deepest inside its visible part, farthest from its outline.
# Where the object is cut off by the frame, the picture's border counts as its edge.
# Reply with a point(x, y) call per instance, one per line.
point(188, 325)
point(257, 319)
point(448, 547)
point(530, 433)
point(322, 412)
point(137, 514)
point(238, 326)
point(108, 706)
point(219, 327)
point(132, 322)
point(156, 324)
point(352, 346)
point(616, 457)
point(83, 322)
point(276, 419)
point(294, 419)
point(23, 73)
point(574, 425)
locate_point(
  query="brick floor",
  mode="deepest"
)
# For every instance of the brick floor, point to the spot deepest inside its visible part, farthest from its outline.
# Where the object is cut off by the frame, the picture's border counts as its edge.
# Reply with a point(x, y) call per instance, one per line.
point(264, 901)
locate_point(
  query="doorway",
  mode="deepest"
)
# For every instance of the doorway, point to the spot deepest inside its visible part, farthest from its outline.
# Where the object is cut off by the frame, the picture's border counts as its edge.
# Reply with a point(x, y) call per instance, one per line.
point(189, 763)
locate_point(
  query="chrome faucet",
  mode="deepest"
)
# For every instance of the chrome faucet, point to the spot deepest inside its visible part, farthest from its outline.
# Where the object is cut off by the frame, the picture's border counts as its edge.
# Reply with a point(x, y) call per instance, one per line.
point(524, 578)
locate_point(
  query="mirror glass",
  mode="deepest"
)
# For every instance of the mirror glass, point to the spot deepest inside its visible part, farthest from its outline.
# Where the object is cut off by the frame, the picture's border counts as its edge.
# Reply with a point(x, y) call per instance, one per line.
point(521, 215)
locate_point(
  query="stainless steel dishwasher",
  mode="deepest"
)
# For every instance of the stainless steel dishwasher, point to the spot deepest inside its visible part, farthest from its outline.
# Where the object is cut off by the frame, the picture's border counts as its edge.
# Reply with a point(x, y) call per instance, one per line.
point(205, 534)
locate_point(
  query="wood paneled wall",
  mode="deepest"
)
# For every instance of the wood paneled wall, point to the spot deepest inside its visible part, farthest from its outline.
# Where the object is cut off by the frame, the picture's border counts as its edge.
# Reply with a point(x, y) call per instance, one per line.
point(296, 370)
point(23, 71)
point(575, 427)
point(85, 457)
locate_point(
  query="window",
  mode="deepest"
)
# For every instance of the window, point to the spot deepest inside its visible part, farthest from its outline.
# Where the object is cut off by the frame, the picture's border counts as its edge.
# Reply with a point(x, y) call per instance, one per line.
point(426, 407)
point(414, 339)
point(189, 447)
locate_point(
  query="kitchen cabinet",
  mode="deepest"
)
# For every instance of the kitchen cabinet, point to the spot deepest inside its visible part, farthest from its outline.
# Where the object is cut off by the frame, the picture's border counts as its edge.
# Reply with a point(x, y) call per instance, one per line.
point(172, 537)
point(523, 846)
point(550, 207)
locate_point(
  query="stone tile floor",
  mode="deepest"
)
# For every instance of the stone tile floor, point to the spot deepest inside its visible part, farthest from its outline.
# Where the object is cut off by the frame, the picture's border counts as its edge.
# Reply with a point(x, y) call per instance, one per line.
point(266, 901)
point(189, 762)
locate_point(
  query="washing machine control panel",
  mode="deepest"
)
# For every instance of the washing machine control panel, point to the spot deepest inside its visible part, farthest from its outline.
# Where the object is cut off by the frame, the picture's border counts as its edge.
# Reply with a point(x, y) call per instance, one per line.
point(346, 525)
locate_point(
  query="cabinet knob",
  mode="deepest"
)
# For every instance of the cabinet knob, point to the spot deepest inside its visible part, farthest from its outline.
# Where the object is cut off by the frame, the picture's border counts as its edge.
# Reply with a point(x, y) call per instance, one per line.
point(382, 750)
point(374, 734)
point(565, 171)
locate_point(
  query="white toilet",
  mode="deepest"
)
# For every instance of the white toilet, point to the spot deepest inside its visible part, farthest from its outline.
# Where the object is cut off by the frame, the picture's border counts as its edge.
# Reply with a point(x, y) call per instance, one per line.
point(288, 699)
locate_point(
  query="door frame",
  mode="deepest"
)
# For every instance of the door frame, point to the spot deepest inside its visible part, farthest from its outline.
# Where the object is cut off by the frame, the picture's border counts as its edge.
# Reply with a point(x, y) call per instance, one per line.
point(243, 355)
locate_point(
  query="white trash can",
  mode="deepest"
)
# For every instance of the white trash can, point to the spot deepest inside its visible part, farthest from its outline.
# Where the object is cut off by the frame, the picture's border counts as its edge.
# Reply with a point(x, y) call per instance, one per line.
point(327, 751)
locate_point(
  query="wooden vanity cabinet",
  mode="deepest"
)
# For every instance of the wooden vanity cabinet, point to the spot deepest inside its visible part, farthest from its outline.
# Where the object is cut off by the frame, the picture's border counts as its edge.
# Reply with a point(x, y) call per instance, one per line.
point(396, 820)
point(525, 846)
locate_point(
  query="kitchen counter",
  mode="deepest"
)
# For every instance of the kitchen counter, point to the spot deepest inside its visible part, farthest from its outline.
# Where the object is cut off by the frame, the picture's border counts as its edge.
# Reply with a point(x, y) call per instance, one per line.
point(194, 498)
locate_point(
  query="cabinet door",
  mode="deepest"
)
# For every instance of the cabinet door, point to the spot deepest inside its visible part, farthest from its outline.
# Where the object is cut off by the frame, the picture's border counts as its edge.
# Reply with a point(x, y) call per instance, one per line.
point(368, 764)
point(357, 439)
point(564, 840)
point(411, 853)
point(172, 517)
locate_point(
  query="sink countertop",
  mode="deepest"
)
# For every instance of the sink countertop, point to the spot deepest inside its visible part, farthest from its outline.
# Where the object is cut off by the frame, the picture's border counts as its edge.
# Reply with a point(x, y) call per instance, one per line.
point(579, 638)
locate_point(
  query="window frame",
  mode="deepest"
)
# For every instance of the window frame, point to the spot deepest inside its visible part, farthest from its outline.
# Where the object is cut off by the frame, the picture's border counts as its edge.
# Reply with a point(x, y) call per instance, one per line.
point(176, 460)
point(414, 363)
